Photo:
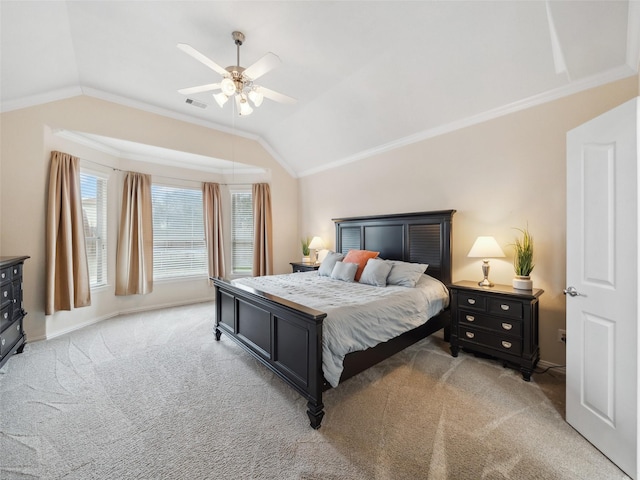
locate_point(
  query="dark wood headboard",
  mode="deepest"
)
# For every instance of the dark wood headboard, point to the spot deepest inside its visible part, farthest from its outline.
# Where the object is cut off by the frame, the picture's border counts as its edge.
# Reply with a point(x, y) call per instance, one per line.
point(420, 237)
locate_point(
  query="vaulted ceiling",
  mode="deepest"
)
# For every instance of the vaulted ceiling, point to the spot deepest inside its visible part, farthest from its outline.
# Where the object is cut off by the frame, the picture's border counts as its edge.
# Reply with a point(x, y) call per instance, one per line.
point(367, 75)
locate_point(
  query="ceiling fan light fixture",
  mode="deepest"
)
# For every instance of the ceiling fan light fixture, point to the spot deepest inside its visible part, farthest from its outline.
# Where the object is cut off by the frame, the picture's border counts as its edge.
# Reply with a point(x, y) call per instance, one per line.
point(256, 97)
point(245, 108)
point(228, 87)
point(220, 98)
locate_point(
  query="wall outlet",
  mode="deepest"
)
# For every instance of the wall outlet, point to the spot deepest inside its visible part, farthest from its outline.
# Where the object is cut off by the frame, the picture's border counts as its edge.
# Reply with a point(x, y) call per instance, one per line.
point(562, 336)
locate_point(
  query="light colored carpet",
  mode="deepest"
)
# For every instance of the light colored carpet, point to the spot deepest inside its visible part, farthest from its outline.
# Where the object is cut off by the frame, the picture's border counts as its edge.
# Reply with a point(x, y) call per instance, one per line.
point(154, 396)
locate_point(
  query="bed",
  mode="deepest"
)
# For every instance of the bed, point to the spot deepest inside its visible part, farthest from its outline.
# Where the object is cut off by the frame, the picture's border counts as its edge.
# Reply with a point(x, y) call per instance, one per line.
point(286, 336)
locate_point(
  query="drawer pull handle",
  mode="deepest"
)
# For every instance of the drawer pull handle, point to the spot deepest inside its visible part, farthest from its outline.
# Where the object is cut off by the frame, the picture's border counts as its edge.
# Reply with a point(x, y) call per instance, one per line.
point(4, 275)
point(18, 328)
point(15, 270)
point(504, 307)
point(3, 340)
point(470, 318)
point(6, 293)
point(471, 301)
point(507, 326)
point(470, 334)
point(6, 315)
point(506, 344)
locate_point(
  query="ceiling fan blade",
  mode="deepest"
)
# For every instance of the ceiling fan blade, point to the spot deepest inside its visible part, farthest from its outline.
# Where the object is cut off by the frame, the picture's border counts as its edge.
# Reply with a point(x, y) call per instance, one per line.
point(268, 62)
point(199, 89)
point(189, 50)
point(278, 97)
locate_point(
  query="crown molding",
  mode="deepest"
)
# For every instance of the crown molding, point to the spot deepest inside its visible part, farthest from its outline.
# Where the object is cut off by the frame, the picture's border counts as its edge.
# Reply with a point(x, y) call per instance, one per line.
point(41, 98)
point(533, 101)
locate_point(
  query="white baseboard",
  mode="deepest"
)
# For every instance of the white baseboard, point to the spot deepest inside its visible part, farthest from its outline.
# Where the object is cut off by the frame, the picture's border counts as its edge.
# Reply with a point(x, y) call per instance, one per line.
point(116, 314)
point(561, 368)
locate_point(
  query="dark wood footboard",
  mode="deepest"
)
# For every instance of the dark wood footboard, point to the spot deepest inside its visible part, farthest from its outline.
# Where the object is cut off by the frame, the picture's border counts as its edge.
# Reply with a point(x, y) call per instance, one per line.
point(284, 336)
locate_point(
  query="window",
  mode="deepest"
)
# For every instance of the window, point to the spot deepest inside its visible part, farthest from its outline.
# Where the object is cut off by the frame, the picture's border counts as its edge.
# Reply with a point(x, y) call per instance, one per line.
point(241, 233)
point(93, 188)
point(178, 232)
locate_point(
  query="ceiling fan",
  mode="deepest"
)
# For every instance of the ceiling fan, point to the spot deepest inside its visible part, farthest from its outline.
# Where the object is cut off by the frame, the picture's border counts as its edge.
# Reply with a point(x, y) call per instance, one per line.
point(237, 81)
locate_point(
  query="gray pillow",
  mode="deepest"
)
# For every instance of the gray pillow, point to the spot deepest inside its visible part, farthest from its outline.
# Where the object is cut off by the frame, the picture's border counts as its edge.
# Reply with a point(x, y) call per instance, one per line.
point(376, 272)
point(344, 271)
point(326, 267)
point(405, 274)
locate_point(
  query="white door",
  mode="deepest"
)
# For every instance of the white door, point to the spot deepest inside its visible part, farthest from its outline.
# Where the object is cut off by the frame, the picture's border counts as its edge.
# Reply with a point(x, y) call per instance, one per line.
point(602, 284)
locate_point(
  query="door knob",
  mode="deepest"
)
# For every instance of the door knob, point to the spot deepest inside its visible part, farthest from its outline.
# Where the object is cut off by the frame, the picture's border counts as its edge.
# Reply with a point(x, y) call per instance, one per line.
point(571, 291)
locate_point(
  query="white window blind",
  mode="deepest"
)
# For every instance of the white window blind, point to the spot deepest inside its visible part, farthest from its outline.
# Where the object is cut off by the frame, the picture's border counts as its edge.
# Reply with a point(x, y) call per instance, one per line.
point(241, 233)
point(178, 232)
point(93, 189)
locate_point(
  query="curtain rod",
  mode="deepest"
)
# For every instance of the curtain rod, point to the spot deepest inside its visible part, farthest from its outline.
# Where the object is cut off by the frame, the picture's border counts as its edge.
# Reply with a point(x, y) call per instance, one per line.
point(164, 176)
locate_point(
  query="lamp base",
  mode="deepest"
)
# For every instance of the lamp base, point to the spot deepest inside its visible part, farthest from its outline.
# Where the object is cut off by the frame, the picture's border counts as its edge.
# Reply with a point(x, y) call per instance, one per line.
point(485, 271)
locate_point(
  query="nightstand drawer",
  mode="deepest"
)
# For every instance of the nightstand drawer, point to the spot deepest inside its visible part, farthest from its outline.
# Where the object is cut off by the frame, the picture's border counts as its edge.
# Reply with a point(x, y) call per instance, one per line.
point(498, 342)
point(472, 301)
point(506, 308)
point(499, 325)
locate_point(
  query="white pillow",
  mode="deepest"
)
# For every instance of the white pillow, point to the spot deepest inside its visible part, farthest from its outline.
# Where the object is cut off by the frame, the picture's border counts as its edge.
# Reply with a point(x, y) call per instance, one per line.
point(376, 272)
point(345, 271)
point(405, 274)
point(326, 267)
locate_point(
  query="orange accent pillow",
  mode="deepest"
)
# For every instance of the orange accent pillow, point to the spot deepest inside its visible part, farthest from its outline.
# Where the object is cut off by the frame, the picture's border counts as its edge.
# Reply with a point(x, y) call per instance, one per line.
point(361, 257)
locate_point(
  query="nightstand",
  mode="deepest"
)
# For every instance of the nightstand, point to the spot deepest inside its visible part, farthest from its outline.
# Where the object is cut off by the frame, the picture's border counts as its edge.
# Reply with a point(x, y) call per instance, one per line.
point(498, 321)
point(304, 267)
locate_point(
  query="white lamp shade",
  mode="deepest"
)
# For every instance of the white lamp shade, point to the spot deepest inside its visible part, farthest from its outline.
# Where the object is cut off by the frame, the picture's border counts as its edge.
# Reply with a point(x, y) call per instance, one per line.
point(485, 247)
point(220, 98)
point(256, 97)
point(228, 87)
point(316, 243)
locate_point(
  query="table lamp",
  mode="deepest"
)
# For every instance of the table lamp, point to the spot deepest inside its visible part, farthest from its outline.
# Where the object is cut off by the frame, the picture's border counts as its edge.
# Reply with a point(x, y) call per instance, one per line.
point(315, 245)
point(485, 248)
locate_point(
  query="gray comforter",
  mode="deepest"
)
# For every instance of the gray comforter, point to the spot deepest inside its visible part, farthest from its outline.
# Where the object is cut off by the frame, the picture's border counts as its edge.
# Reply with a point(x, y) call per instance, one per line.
point(358, 316)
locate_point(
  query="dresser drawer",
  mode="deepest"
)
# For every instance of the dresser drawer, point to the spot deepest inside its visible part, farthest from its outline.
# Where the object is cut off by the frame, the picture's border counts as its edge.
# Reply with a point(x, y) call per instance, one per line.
point(10, 336)
point(6, 317)
point(499, 325)
point(5, 274)
point(506, 307)
point(502, 343)
point(6, 293)
point(473, 301)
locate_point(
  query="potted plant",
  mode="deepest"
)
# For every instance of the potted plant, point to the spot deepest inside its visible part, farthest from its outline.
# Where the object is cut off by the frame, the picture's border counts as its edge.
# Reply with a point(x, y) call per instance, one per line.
point(523, 260)
point(305, 250)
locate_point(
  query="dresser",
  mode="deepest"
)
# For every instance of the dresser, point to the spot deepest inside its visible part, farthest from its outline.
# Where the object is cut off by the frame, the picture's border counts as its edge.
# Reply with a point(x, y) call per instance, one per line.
point(497, 321)
point(304, 267)
point(12, 337)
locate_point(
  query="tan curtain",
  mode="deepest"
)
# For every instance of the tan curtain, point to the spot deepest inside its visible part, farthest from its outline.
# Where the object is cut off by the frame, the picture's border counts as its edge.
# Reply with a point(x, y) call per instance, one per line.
point(134, 256)
point(212, 210)
point(262, 230)
point(68, 284)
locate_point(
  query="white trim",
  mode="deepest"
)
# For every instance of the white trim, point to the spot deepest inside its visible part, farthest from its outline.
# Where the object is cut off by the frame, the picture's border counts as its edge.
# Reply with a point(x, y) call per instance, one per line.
point(117, 314)
point(543, 364)
point(39, 99)
point(570, 89)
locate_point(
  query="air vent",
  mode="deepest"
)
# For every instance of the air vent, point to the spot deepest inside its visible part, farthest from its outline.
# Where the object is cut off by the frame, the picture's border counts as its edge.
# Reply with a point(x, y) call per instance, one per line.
point(195, 103)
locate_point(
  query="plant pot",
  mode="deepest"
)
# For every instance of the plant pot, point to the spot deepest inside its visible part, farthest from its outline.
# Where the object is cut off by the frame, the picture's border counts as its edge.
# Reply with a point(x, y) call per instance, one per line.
point(306, 259)
point(521, 282)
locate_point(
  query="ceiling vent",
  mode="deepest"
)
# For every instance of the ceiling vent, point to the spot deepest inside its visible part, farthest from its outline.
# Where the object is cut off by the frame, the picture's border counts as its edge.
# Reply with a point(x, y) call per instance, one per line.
point(196, 103)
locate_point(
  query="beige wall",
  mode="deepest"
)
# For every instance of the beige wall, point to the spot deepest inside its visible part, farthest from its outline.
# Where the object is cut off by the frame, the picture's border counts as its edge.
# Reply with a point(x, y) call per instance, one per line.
point(27, 141)
point(504, 173)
